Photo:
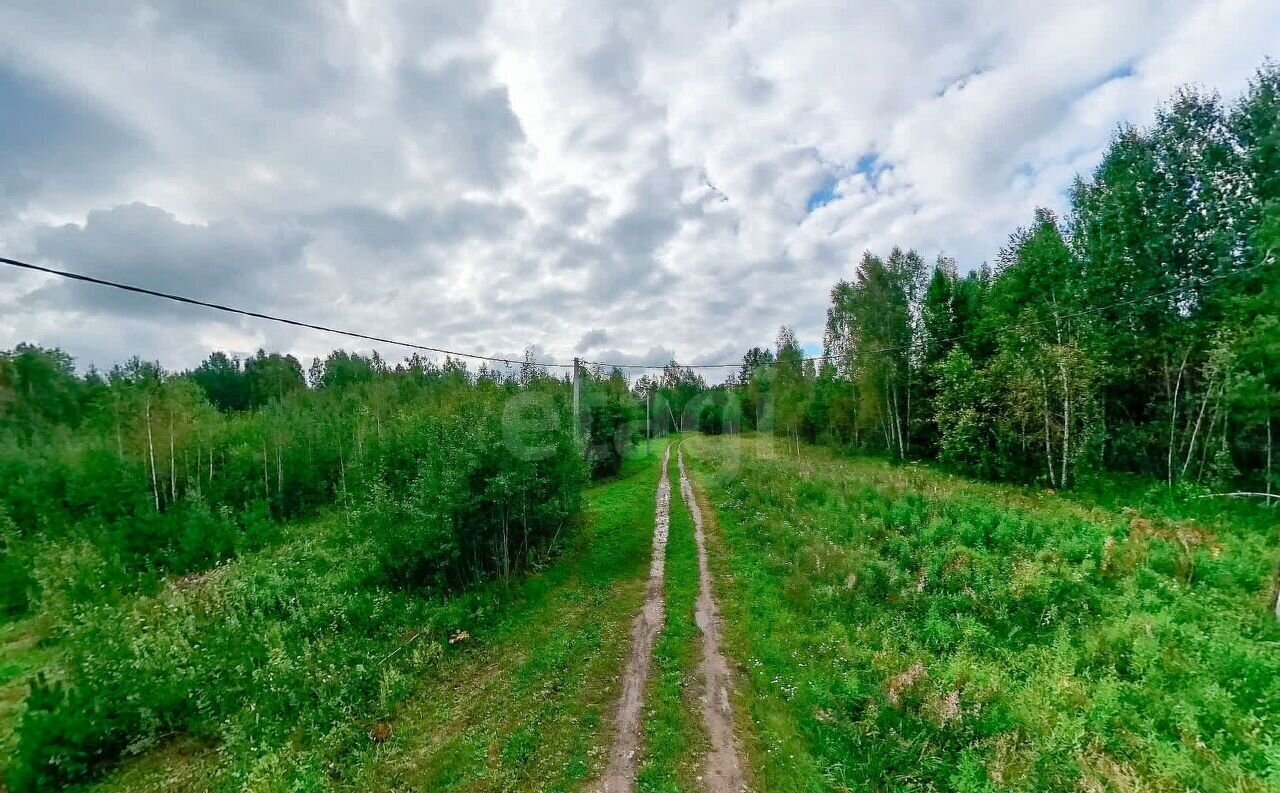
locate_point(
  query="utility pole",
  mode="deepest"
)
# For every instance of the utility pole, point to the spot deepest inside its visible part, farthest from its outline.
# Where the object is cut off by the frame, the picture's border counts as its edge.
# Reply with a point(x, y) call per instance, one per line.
point(577, 419)
point(648, 431)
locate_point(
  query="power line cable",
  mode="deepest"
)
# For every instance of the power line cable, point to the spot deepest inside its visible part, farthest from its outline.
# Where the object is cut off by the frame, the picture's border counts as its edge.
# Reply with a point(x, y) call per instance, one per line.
point(651, 367)
point(270, 317)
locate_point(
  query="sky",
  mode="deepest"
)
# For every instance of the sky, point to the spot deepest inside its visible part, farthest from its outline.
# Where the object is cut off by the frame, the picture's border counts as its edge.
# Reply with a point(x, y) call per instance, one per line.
point(619, 180)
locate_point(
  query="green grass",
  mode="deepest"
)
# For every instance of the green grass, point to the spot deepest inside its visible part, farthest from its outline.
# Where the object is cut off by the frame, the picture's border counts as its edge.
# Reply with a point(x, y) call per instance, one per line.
point(674, 738)
point(893, 628)
point(527, 708)
point(22, 654)
point(903, 629)
point(519, 703)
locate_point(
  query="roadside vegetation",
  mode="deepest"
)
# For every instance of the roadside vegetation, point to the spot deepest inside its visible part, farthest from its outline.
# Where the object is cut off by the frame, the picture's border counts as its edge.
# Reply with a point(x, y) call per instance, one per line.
point(246, 579)
point(527, 702)
point(516, 701)
point(900, 628)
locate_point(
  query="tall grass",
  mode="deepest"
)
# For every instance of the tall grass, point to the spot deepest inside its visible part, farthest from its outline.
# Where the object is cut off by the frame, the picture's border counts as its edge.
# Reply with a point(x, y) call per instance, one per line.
point(906, 630)
point(527, 706)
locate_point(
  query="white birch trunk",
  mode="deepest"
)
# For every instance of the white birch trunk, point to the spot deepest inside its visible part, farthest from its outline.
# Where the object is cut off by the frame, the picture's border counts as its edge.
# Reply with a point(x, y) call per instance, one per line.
point(1173, 415)
point(1191, 445)
point(173, 466)
point(1066, 422)
point(151, 452)
point(1048, 441)
point(1268, 458)
point(898, 427)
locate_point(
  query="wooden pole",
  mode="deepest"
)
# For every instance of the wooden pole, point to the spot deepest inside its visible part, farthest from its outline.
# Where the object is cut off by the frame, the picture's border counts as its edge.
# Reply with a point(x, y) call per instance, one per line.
point(577, 419)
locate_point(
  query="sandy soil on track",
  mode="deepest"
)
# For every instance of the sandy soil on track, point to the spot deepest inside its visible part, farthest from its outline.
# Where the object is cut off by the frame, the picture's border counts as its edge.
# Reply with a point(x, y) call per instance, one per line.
point(722, 771)
point(620, 773)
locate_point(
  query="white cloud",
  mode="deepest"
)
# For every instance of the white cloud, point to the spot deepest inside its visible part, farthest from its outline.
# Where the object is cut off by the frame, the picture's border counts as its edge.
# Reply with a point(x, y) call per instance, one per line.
point(563, 175)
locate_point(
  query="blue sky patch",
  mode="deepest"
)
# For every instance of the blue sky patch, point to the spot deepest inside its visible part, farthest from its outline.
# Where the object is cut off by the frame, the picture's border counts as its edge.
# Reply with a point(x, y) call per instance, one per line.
point(868, 164)
point(824, 195)
point(1120, 72)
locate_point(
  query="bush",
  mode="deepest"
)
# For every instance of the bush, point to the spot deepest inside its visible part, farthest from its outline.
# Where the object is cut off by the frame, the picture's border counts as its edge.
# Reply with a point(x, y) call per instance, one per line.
point(208, 537)
point(442, 503)
point(16, 579)
point(711, 419)
point(16, 584)
point(257, 529)
point(64, 734)
point(610, 424)
point(414, 547)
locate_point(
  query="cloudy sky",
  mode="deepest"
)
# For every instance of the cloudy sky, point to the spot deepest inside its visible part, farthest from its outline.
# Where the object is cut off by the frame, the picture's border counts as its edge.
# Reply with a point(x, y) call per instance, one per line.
point(626, 181)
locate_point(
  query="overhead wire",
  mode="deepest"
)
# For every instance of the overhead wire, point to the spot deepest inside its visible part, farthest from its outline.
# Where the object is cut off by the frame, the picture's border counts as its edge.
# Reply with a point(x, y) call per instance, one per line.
point(270, 317)
point(604, 364)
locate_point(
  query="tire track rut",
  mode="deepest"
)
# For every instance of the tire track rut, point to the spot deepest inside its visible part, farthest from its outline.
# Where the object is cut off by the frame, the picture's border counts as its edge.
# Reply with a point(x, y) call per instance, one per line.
point(620, 772)
point(722, 770)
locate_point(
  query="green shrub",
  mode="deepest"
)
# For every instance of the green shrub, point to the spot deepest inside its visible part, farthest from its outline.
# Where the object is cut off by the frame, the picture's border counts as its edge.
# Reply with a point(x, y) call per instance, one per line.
point(415, 547)
point(711, 419)
point(297, 630)
point(257, 529)
point(67, 732)
point(612, 417)
point(16, 585)
point(16, 580)
point(208, 536)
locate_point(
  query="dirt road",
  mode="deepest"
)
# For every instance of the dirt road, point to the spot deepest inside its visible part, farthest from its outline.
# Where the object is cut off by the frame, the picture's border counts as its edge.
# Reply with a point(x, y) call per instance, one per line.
point(620, 773)
point(722, 770)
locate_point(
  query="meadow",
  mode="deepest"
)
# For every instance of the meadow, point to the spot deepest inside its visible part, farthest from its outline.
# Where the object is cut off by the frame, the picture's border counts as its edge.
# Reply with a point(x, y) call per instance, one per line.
point(901, 628)
point(889, 626)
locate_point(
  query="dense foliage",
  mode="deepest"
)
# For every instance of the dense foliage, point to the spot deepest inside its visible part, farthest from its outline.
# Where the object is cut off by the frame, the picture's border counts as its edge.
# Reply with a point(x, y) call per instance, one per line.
point(111, 485)
point(613, 418)
point(1139, 332)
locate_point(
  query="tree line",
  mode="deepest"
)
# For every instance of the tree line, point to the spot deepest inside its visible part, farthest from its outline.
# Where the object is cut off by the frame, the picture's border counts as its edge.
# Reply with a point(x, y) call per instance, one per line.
point(157, 473)
point(1138, 332)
